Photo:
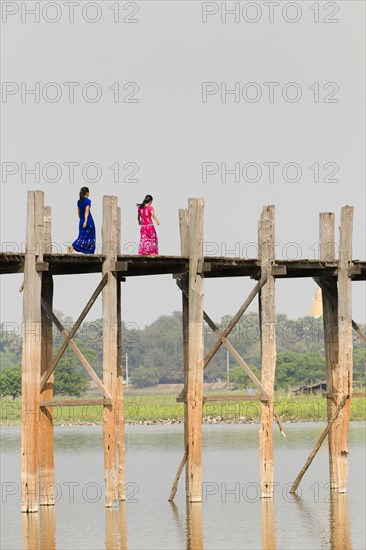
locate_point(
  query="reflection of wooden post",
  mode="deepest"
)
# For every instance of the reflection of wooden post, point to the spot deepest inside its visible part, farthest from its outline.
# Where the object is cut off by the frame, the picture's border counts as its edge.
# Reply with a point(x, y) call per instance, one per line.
point(122, 526)
point(184, 240)
point(268, 346)
point(268, 525)
point(194, 526)
point(30, 534)
point(345, 340)
point(31, 354)
point(46, 452)
point(330, 321)
point(195, 354)
point(339, 522)
point(111, 528)
point(48, 528)
point(110, 351)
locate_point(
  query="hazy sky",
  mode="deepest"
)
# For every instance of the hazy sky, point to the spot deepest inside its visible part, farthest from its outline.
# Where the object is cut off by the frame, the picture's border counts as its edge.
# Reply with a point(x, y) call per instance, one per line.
point(167, 98)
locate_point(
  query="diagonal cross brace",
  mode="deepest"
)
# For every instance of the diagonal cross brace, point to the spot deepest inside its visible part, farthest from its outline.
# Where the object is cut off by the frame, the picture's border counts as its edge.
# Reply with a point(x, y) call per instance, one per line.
point(68, 336)
point(229, 347)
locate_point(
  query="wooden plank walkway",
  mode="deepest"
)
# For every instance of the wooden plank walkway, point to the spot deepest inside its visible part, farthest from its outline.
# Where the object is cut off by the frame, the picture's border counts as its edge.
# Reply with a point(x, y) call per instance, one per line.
point(213, 266)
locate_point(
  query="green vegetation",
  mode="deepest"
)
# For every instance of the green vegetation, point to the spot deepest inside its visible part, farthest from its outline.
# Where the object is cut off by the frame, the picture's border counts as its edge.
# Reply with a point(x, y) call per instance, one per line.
point(151, 408)
point(155, 353)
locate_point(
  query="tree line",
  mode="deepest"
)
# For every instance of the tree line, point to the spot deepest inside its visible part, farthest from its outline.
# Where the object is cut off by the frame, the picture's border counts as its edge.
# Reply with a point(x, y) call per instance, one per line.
point(155, 354)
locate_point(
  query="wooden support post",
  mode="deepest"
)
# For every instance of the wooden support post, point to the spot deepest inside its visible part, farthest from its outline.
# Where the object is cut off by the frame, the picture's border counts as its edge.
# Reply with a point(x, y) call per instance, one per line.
point(184, 249)
point(268, 346)
point(345, 340)
point(31, 355)
point(195, 350)
point(120, 398)
point(46, 451)
point(110, 346)
point(330, 322)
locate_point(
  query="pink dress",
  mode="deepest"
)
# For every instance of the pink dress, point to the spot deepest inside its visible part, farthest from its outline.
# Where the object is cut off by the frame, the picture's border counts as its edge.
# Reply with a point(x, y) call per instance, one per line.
point(148, 237)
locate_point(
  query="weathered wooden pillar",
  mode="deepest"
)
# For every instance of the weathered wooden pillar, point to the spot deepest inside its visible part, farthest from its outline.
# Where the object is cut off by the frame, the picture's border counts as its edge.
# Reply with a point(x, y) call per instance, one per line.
point(268, 346)
point(184, 248)
point(195, 351)
point(110, 346)
point(345, 340)
point(46, 449)
point(120, 398)
point(330, 322)
point(31, 355)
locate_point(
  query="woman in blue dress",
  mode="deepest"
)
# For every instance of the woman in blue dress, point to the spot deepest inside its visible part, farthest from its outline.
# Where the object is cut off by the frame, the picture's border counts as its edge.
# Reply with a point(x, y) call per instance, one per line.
point(85, 242)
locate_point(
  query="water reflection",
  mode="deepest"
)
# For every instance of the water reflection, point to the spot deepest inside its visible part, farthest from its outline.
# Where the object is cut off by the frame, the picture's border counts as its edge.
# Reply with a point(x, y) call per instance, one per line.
point(48, 527)
point(116, 527)
point(30, 531)
point(194, 526)
point(39, 530)
point(268, 524)
point(340, 537)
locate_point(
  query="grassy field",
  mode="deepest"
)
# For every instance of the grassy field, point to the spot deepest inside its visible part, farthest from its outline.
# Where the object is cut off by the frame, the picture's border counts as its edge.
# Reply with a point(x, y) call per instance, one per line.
point(147, 407)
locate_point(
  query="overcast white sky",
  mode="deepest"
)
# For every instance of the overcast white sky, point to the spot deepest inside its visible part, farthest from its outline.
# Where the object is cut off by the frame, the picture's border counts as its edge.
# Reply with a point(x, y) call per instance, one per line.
point(159, 122)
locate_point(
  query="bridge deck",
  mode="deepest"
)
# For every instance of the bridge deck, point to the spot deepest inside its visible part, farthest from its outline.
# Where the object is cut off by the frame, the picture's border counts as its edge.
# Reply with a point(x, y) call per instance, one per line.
point(68, 264)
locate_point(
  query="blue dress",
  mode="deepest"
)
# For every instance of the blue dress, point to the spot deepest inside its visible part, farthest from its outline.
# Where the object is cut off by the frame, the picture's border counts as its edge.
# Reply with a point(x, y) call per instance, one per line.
point(85, 242)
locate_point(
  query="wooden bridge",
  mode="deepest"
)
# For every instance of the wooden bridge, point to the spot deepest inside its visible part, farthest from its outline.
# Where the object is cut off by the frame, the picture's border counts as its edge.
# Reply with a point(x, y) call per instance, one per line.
point(190, 269)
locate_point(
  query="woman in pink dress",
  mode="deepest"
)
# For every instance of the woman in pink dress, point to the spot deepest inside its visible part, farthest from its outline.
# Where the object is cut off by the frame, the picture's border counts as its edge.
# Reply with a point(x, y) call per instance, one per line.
point(148, 237)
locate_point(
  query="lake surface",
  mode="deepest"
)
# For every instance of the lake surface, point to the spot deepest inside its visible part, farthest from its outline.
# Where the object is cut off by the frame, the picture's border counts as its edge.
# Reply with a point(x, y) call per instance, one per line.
point(232, 515)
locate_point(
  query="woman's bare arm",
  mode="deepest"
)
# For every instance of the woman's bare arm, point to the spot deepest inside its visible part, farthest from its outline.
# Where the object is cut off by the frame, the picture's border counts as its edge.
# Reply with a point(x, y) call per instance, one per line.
point(154, 217)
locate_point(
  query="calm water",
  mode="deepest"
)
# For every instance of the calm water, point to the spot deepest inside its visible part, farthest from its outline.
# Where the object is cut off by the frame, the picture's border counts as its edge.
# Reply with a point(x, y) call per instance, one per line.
point(231, 517)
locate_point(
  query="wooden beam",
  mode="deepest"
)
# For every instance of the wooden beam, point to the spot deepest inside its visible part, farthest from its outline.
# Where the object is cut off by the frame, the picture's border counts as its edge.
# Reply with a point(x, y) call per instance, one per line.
point(74, 329)
point(268, 347)
point(120, 399)
point(184, 250)
point(110, 347)
point(345, 340)
point(75, 349)
point(31, 356)
point(75, 402)
point(176, 479)
point(318, 444)
point(330, 322)
point(195, 351)
point(46, 450)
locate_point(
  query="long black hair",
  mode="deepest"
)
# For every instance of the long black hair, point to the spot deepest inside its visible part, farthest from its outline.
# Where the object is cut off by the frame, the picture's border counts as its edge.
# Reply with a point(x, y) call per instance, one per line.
point(146, 201)
point(83, 192)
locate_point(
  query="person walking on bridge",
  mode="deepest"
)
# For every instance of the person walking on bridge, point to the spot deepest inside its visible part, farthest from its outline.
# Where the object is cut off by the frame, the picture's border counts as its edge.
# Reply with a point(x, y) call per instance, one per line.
point(148, 238)
point(85, 242)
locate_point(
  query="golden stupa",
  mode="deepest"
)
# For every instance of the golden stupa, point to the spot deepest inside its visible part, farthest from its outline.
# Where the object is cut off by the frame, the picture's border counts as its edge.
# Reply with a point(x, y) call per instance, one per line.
point(316, 309)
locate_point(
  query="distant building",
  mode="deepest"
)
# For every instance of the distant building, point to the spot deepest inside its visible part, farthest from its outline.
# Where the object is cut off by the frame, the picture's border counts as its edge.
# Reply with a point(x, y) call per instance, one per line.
point(316, 309)
point(312, 388)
